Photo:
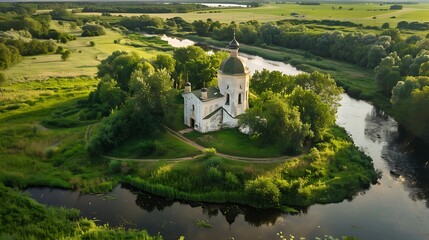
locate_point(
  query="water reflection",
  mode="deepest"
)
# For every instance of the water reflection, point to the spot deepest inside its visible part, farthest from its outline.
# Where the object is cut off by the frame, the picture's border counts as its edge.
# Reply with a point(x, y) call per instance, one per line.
point(255, 217)
point(406, 163)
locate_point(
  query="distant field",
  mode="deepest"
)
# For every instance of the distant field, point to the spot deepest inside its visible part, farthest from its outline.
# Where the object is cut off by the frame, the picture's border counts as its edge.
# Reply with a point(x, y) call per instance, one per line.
point(362, 13)
point(83, 61)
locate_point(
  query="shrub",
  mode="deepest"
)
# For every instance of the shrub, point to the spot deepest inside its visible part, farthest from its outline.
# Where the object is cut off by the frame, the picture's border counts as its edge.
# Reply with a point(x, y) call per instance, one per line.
point(263, 192)
point(65, 55)
point(90, 30)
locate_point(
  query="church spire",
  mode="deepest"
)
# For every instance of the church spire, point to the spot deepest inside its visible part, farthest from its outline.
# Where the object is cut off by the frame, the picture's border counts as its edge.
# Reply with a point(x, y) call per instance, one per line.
point(234, 44)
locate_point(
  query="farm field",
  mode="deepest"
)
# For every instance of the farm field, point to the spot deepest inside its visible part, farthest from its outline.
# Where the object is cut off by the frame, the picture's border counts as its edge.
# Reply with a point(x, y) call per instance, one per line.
point(365, 13)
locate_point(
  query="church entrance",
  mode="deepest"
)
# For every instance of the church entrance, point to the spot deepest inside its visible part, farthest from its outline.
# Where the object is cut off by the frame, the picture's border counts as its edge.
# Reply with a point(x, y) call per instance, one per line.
point(192, 123)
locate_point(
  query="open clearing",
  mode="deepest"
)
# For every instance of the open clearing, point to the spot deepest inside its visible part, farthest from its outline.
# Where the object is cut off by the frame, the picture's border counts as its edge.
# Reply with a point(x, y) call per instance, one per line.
point(83, 61)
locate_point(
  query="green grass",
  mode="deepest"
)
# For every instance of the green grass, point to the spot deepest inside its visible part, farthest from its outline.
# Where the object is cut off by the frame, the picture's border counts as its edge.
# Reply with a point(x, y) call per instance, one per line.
point(164, 146)
point(362, 13)
point(84, 58)
point(35, 153)
point(231, 141)
point(335, 169)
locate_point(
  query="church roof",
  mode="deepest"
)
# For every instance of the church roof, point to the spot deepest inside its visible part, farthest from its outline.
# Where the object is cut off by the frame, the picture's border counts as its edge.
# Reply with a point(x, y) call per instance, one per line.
point(212, 93)
point(233, 65)
point(234, 44)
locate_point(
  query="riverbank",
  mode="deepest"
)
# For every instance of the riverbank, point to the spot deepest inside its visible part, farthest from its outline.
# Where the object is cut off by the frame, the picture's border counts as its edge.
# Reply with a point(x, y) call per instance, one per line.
point(24, 218)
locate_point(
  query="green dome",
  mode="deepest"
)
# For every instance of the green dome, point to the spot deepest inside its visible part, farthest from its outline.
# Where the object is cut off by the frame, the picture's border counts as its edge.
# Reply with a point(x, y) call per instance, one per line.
point(233, 65)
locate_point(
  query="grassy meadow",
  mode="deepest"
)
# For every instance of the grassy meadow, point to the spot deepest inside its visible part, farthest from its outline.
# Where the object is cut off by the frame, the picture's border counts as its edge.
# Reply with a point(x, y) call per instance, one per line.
point(84, 58)
point(371, 14)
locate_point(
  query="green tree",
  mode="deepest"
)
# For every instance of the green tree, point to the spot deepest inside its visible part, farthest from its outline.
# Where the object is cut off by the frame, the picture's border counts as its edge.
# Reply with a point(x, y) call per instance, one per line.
point(65, 55)
point(424, 69)
point(119, 65)
point(193, 64)
point(273, 121)
point(110, 93)
point(164, 61)
point(262, 192)
point(385, 25)
point(274, 81)
point(387, 74)
point(143, 114)
point(322, 85)
point(3, 79)
point(312, 110)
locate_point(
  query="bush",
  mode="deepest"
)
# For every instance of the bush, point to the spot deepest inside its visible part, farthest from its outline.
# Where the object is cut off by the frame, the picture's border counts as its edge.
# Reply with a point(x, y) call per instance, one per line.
point(91, 30)
point(92, 43)
point(263, 192)
point(65, 55)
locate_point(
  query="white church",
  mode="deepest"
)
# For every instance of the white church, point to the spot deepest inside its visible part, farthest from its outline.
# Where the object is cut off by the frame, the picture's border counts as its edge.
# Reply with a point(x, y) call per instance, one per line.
point(213, 108)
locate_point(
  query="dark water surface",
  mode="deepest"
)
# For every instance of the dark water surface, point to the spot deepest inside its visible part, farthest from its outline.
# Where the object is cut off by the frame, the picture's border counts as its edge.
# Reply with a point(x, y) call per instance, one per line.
point(395, 208)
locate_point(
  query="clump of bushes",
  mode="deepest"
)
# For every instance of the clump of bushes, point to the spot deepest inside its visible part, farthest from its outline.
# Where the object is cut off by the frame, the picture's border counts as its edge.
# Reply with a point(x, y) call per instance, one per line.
point(91, 30)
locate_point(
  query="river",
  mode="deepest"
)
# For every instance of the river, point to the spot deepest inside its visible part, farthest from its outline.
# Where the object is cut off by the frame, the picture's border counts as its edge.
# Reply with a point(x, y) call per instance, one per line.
point(397, 207)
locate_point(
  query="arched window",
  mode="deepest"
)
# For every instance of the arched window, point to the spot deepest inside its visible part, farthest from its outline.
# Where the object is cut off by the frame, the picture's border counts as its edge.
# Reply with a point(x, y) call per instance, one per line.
point(227, 99)
point(193, 107)
point(239, 98)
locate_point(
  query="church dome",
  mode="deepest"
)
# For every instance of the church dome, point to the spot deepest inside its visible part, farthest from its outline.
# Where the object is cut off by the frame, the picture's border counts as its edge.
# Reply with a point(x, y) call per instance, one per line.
point(234, 44)
point(233, 65)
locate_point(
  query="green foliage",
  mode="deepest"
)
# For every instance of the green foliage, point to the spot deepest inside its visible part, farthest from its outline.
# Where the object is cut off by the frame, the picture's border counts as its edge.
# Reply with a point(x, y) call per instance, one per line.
point(65, 55)
point(143, 114)
point(194, 65)
point(410, 100)
point(263, 192)
point(9, 56)
point(164, 61)
point(314, 95)
point(24, 218)
point(91, 30)
point(387, 74)
point(273, 121)
point(119, 66)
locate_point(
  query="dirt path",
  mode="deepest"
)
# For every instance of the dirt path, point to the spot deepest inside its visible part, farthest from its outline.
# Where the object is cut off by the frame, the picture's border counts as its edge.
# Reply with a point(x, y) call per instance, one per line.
point(186, 140)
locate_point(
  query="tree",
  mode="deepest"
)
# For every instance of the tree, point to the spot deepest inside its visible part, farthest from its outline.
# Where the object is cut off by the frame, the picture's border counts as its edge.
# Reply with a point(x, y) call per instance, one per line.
point(3, 79)
point(312, 110)
point(385, 25)
point(424, 69)
point(387, 74)
point(90, 30)
point(119, 65)
point(201, 27)
point(273, 121)
point(322, 85)
point(274, 81)
point(65, 55)
point(193, 64)
point(376, 53)
point(143, 114)
point(110, 93)
point(165, 61)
